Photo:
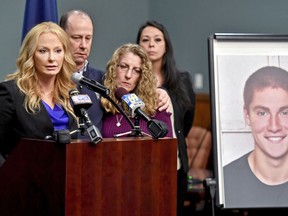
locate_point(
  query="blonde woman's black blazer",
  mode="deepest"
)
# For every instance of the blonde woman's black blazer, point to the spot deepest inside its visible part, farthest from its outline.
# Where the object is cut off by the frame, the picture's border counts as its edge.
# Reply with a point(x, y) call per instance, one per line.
point(17, 123)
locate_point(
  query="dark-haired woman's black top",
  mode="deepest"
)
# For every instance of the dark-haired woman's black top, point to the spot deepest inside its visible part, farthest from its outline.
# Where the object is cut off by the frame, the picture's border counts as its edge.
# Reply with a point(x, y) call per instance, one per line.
point(183, 117)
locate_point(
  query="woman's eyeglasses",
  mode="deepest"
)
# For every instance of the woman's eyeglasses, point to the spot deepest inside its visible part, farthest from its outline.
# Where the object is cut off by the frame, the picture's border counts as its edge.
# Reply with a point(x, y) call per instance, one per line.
point(125, 68)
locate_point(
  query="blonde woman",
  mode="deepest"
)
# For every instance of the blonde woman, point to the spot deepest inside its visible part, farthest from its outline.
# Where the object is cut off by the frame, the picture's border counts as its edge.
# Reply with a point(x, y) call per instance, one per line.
point(35, 99)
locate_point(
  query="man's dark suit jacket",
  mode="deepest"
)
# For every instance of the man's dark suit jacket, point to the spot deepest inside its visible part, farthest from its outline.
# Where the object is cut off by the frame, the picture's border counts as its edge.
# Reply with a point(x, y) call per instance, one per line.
point(95, 112)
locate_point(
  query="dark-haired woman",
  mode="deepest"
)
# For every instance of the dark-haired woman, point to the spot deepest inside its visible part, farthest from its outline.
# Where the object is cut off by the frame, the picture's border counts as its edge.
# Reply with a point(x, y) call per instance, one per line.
point(154, 38)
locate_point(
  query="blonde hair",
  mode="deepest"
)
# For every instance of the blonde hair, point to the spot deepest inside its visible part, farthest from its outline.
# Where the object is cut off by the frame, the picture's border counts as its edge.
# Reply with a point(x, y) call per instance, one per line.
point(145, 89)
point(26, 77)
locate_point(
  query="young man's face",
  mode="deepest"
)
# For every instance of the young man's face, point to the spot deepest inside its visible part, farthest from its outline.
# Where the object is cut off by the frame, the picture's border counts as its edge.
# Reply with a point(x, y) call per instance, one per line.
point(267, 115)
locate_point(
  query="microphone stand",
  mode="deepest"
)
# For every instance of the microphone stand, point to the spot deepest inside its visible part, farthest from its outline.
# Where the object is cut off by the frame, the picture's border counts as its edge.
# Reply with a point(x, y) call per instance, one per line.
point(155, 127)
point(93, 132)
point(135, 132)
point(81, 128)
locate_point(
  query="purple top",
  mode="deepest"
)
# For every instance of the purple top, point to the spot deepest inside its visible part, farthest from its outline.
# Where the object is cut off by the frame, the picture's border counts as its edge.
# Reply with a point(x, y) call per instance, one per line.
point(110, 122)
point(58, 116)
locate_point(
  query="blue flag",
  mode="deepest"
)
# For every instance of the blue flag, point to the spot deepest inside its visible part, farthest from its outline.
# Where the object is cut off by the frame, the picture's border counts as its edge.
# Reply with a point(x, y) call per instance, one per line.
point(37, 11)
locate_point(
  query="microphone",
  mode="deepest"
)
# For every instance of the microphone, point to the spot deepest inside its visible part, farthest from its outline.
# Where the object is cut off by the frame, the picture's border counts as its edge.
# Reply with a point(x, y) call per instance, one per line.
point(97, 87)
point(91, 84)
point(133, 106)
point(61, 136)
point(80, 103)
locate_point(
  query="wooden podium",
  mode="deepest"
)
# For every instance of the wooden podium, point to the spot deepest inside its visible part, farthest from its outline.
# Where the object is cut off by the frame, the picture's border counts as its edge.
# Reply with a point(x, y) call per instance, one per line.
point(124, 176)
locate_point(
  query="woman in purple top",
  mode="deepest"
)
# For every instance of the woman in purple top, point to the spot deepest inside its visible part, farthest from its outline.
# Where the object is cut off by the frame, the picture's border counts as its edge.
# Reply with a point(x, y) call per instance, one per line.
point(130, 68)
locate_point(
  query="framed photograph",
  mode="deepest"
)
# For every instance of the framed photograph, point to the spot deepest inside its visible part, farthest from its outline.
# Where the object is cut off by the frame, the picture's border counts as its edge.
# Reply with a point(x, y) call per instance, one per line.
point(233, 58)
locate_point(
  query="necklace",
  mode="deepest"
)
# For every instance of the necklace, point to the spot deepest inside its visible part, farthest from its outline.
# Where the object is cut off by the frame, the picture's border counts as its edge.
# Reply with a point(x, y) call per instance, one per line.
point(118, 120)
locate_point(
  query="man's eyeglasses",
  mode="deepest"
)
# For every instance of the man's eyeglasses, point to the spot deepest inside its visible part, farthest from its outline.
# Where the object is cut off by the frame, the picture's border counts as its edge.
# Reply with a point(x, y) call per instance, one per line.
point(125, 68)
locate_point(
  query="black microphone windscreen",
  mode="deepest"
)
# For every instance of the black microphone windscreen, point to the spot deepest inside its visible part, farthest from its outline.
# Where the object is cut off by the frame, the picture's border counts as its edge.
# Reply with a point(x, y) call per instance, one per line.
point(120, 92)
point(76, 77)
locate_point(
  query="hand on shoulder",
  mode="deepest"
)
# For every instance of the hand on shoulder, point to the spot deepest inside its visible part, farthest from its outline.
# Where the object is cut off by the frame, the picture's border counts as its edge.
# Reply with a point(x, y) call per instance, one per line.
point(164, 101)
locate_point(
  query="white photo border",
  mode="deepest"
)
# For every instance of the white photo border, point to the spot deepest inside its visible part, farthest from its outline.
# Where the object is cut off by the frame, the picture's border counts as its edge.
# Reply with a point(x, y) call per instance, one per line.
point(232, 58)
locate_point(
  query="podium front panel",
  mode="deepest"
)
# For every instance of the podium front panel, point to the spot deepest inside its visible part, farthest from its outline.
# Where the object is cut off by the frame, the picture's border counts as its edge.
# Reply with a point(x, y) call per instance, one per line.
point(116, 177)
point(123, 176)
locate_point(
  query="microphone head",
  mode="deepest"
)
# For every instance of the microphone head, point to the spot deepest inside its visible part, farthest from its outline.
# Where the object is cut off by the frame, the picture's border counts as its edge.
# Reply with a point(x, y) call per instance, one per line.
point(120, 92)
point(130, 101)
point(79, 101)
point(73, 92)
point(76, 77)
point(157, 128)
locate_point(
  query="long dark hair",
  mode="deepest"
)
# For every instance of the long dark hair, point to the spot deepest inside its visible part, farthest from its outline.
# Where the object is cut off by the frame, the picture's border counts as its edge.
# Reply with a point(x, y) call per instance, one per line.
point(171, 82)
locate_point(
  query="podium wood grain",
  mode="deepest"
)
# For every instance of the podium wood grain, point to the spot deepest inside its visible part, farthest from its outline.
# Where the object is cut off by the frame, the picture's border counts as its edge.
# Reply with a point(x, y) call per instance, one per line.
point(123, 176)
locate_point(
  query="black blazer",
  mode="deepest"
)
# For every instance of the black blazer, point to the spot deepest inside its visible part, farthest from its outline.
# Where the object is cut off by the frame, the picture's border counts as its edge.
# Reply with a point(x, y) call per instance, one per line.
point(17, 123)
point(183, 119)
